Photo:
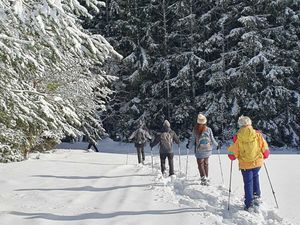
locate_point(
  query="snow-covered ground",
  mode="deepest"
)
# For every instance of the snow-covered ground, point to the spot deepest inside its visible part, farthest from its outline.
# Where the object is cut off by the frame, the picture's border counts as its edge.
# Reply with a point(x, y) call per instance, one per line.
point(87, 188)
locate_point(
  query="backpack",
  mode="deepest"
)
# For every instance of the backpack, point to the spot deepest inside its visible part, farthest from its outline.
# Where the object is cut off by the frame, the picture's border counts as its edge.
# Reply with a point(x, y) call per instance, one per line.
point(250, 151)
point(166, 138)
point(140, 137)
point(204, 143)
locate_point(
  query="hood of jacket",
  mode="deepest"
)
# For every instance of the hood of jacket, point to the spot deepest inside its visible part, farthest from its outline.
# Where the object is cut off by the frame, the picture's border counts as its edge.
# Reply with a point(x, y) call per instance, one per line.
point(247, 134)
point(166, 129)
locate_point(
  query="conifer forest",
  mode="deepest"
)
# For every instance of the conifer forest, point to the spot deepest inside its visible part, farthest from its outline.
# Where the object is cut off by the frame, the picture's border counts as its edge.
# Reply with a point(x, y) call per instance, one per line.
point(98, 68)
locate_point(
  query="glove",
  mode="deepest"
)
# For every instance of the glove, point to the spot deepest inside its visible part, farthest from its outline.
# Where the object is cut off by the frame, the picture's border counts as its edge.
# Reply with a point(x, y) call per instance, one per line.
point(231, 157)
point(187, 145)
point(234, 138)
point(266, 154)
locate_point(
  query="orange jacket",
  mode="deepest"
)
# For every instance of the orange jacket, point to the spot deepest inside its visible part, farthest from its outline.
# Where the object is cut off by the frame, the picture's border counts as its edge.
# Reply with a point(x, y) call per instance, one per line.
point(250, 148)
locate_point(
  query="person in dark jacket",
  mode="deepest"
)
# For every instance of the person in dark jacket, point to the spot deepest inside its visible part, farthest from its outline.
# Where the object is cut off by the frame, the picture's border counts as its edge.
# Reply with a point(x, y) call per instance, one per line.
point(165, 140)
point(92, 143)
point(140, 137)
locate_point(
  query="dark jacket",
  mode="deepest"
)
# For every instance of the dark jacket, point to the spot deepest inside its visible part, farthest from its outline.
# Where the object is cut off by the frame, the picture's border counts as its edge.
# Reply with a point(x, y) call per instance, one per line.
point(165, 145)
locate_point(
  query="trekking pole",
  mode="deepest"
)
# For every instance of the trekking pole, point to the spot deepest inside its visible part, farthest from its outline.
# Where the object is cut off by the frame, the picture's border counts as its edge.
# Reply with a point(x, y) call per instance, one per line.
point(151, 159)
point(187, 161)
point(127, 156)
point(218, 148)
point(271, 185)
point(229, 185)
point(179, 159)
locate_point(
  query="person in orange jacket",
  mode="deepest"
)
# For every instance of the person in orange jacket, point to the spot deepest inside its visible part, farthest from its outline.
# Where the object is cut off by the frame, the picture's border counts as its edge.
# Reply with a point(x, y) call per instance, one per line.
point(250, 148)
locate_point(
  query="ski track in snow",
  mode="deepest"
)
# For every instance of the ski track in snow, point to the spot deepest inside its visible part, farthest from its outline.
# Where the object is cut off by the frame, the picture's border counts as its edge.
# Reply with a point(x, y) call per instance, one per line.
point(79, 188)
point(213, 200)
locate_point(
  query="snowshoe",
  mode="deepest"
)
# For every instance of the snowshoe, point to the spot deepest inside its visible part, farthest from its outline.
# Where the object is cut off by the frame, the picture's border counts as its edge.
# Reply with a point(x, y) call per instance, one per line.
point(257, 200)
point(249, 208)
point(164, 174)
point(173, 177)
point(252, 208)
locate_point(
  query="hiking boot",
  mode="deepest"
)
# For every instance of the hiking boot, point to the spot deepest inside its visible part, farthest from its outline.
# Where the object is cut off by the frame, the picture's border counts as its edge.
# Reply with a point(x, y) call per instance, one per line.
point(249, 208)
point(204, 181)
point(173, 177)
point(207, 180)
point(256, 200)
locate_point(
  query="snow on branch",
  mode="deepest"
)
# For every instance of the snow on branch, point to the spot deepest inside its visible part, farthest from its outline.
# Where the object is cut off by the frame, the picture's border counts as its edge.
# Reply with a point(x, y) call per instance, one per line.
point(12, 39)
point(43, 49)
point(260, 58)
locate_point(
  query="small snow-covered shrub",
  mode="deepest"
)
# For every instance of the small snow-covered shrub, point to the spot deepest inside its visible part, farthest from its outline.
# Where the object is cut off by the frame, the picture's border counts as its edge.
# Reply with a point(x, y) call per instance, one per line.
point(8, 154)
point(47, 141)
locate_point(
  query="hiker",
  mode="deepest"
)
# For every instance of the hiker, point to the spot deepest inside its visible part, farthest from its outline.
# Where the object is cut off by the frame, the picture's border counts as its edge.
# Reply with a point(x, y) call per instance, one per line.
point(203, 141)
point(250, 148)
point(165, 140)
point(92, 143)
point(140, 136)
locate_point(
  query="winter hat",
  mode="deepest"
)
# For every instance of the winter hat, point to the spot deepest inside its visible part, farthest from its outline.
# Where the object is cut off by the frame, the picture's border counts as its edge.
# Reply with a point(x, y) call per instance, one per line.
point(140, 124)
point(166, 124)
point(201, 119)
point(244, 121)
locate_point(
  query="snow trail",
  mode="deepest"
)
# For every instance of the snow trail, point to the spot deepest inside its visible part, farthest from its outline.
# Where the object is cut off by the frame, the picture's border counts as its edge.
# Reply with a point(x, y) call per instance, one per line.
point(213, 202)
point(87, 188)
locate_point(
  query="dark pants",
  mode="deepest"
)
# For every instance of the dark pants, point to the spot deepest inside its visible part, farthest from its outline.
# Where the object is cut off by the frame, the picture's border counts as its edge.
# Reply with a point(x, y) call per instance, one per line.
point(251, 184)
point(203, 167)
point(170, 157)
point(91, 144)
point(140, 153)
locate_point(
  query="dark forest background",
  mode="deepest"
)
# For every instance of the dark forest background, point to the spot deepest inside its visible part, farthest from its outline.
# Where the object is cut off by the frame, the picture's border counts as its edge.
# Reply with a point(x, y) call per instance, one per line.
point(222, 58)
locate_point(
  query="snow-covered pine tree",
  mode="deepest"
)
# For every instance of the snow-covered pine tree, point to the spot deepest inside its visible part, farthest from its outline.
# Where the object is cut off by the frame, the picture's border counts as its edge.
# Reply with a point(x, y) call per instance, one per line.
point(127, 23)
point(45, 59)
point(260, 68)
point(184, 36)
point(223, 58)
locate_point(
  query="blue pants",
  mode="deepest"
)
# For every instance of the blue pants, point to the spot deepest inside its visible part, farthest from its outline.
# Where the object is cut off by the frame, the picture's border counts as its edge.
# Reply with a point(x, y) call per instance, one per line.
point(251, 184)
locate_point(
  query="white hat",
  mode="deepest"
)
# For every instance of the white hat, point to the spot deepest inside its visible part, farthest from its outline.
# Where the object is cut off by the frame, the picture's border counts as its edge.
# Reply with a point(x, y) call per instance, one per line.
point(244, 121)
point(201, 119)
point(166, 123)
